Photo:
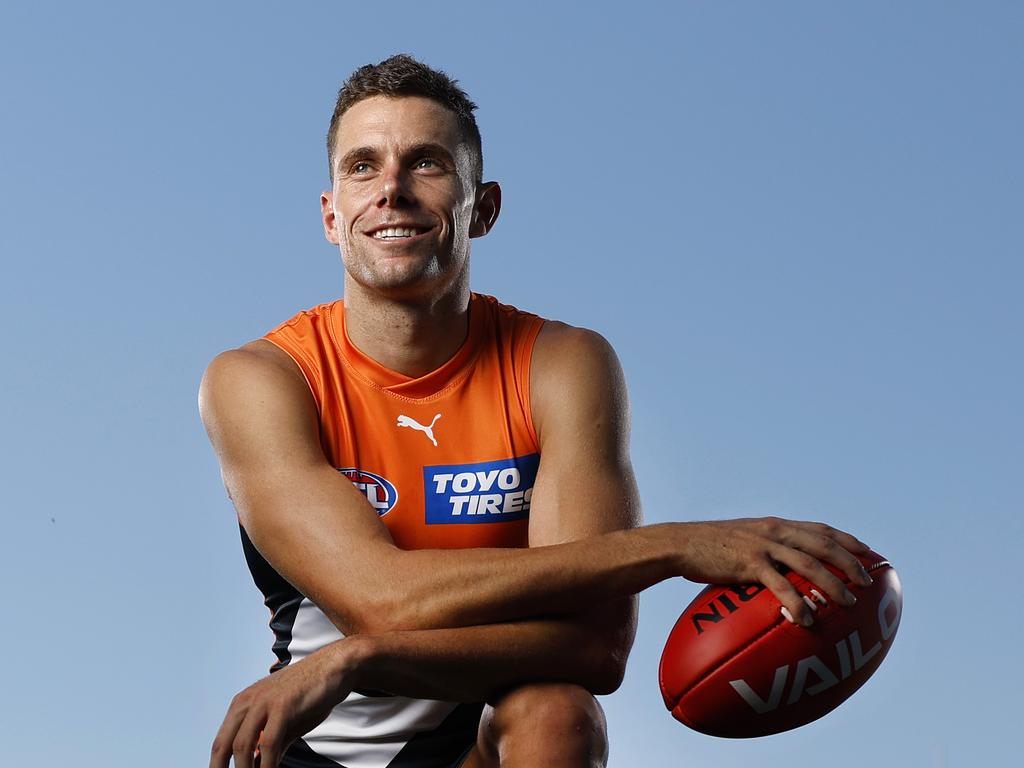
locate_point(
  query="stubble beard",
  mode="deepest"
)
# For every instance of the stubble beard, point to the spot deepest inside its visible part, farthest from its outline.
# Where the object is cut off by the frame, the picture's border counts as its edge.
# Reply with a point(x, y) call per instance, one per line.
point(405, 276)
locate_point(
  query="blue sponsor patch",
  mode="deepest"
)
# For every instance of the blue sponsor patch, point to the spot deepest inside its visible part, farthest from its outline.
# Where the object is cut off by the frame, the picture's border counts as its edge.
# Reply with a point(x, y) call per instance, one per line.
point(488, 492)
point(378, 491)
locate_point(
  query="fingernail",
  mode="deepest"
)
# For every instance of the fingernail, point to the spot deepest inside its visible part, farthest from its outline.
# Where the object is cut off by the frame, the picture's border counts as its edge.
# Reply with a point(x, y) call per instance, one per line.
point(866, 579)
point(807, 620)
point(850, 597)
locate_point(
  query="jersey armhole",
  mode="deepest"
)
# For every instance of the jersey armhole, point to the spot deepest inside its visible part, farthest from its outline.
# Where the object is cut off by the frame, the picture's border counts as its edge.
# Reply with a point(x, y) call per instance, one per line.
point(524, 362)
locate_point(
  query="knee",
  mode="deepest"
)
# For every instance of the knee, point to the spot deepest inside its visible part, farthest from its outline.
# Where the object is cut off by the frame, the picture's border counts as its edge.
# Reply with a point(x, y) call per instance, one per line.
point(563, 715)
point(560, 706)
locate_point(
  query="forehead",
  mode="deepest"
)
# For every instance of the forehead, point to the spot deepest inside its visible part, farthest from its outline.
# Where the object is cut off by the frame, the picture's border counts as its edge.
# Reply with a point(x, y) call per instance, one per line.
point(391, 123)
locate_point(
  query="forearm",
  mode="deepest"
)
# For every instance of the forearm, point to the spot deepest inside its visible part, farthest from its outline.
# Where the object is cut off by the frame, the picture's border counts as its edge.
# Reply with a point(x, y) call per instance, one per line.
point(430, 589)
point(477, 663)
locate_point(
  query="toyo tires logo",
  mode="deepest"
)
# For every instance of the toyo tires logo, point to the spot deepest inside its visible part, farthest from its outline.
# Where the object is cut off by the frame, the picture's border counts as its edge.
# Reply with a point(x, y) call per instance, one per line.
point(486, 492)
point(378, 491)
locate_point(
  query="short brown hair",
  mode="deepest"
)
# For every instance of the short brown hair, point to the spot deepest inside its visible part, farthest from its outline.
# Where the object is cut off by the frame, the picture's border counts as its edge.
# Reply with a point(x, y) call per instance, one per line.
point(402, 75)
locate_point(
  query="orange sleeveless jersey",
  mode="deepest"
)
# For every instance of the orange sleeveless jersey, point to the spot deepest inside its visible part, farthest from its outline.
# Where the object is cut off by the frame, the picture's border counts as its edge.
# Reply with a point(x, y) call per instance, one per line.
point(448, 459)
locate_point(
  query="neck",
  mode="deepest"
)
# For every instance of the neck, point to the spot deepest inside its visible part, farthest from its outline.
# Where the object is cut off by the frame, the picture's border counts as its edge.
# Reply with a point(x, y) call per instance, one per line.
point(412, 337)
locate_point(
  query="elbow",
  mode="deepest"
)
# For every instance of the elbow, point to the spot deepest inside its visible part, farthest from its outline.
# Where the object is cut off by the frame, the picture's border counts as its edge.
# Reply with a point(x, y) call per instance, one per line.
point(603, 658)
point(610, 642)
point(606, 670)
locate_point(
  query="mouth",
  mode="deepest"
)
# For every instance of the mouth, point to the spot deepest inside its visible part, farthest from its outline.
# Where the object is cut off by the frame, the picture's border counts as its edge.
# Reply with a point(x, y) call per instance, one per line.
point(402, 233)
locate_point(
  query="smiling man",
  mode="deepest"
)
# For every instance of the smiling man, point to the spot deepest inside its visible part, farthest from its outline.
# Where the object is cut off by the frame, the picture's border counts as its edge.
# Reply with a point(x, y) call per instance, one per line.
point(434, 489)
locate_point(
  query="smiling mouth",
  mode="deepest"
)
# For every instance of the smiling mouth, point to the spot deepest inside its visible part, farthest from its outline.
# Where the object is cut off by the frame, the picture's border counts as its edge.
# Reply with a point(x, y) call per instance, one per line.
point(399, 233)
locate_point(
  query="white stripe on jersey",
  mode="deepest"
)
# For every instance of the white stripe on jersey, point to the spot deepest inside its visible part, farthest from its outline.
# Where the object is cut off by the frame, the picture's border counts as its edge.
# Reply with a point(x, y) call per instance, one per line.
point(362, 731)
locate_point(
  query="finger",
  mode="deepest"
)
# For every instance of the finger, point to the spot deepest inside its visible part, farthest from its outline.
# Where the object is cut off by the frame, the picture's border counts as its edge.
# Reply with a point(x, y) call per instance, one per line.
point(271, 744)
point(849, 541)
point(830, 550)
point(244, 746)
point(787, 594)
point(846, 540)
point(811, 569)
point(221, 751)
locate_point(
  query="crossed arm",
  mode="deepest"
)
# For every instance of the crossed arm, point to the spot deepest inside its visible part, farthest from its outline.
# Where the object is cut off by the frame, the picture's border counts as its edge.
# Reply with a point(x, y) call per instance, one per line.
point(319, 532)
point(466, 624)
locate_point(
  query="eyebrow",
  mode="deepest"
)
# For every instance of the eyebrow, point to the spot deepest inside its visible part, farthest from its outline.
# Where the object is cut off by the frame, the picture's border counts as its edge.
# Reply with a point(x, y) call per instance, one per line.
point(416, 150)
point(430, 148)
point(354, 154)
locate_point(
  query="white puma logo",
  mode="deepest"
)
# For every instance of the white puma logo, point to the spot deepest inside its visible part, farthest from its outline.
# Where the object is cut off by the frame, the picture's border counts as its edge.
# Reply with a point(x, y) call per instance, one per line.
point(408, 421)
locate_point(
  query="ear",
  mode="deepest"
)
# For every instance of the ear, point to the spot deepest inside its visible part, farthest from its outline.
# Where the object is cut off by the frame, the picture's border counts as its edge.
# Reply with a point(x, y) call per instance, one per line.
point(328, 217)
point(486, 210)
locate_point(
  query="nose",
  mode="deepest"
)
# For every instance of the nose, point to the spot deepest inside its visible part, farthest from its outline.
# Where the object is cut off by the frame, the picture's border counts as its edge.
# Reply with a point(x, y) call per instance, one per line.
point(394, 188)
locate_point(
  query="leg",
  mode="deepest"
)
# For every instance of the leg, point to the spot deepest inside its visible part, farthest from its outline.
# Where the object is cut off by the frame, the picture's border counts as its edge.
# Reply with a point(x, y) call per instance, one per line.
point(556, 725)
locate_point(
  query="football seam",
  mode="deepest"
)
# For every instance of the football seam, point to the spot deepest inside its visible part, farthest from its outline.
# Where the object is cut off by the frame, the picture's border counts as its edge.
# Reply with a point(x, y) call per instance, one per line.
point(711, 672)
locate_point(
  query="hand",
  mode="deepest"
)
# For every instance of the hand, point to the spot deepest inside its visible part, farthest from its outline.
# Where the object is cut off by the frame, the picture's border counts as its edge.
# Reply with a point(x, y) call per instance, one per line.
point(273, 712)
point(751, 550)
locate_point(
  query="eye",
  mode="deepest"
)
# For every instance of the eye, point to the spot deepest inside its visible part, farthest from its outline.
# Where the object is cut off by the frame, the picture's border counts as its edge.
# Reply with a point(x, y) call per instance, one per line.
point(427, 163)
point(360, 167)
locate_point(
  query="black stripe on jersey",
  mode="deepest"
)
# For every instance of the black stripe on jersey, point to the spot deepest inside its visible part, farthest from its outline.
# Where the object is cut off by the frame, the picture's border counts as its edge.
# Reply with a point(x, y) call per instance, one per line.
point(278, 595)
point(299, 755)
point(447, 745)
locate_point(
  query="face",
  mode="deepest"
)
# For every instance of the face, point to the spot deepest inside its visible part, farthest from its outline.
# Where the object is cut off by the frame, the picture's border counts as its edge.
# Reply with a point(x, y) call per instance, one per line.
point(405, 202)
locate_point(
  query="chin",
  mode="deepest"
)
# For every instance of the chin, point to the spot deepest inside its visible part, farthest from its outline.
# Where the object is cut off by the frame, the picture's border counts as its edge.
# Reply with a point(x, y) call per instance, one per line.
point(398, 284)
point(403, 278)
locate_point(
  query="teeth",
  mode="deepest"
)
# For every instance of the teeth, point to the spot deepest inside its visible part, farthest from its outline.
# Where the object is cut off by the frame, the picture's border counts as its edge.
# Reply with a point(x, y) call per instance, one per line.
point(391, 232)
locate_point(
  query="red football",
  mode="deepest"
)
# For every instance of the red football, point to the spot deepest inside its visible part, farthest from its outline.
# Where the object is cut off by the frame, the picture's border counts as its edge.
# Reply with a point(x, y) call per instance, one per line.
point(734, 666)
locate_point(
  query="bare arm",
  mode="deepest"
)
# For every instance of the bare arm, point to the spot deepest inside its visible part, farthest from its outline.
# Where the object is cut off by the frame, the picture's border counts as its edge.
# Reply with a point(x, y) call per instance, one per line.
point(585, 486)
point(321, 535)
point(316, 529)
point(582, 589)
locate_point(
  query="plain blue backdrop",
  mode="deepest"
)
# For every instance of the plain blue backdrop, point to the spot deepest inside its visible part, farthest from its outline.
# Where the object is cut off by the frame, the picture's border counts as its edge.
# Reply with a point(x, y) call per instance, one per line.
point(799, 223)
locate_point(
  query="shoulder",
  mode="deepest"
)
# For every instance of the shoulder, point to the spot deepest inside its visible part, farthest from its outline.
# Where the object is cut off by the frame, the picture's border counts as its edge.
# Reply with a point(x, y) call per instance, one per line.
point(256, 360)
point(575, 375)
point(558, 340)
point(257, 373)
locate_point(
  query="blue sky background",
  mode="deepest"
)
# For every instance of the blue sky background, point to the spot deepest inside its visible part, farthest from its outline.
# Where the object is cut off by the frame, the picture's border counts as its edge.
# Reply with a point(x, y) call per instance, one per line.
point(800, 224)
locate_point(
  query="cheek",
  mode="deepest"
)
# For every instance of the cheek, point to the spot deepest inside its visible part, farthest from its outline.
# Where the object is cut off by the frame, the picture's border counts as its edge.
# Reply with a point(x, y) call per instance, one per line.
point(349, 227)
point(349, 205)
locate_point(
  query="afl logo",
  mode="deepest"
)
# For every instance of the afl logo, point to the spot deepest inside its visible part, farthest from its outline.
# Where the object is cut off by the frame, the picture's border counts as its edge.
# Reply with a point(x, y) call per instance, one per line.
point(379, 492)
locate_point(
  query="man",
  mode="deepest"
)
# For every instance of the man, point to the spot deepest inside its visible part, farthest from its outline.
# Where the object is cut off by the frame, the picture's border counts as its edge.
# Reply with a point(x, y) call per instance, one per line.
point(461, 589)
